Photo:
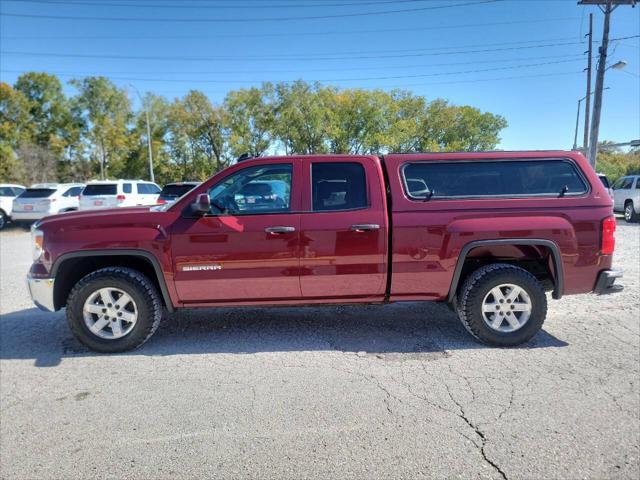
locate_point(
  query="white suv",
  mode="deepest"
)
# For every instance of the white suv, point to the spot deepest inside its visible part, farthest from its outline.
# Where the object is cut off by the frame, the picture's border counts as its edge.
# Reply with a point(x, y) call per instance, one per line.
point(118, 193)
point(626, 197)
point(8, 192)
point(44, 199)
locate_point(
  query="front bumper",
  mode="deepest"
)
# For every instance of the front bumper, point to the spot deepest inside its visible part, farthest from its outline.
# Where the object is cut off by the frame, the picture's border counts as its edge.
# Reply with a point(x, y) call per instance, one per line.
point(606, 282)
point(41, 291)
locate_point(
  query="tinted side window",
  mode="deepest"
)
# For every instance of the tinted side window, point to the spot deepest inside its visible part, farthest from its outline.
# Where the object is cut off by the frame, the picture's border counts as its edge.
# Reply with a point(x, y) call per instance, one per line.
point(338, 186)
point(142, 188)
point(626, 183)
point(259, 189)
point(491, 179)
point(126, 188)
point(73, 192)
point(638, 183)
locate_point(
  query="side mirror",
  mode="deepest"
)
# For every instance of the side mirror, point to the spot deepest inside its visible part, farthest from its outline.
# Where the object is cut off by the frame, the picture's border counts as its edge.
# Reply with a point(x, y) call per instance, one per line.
point(202, 205)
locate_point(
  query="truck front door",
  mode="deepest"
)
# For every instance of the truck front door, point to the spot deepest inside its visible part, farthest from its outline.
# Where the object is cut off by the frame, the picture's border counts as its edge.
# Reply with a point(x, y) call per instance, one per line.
point(247, 248)
point(343, 239)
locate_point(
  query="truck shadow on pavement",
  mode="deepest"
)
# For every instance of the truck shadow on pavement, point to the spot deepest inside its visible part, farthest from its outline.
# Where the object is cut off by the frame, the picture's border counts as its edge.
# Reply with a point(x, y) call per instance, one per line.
point(394, 332)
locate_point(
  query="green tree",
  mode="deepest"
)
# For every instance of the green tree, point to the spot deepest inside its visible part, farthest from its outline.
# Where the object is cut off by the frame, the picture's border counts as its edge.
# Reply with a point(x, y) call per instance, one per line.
point(251, 120)
point(137, 163)
point(448, 127)
point(49, 114)
point(15, 129)
point(197, 136)
point(616, 163)
point(106, 112)
point(302, 117)
point(358, 122)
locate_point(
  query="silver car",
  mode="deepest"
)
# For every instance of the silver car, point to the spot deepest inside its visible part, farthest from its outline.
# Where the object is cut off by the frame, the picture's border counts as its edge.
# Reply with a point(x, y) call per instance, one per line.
point(626, 197)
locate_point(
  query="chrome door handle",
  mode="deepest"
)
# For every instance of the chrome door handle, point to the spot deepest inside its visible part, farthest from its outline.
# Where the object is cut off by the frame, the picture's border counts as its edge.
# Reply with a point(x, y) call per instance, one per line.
point(365, 227)
point(278, 229)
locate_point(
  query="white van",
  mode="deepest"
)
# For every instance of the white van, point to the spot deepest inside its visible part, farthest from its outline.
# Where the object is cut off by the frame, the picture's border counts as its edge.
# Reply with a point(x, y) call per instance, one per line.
point(43, 199)
point(118, 193)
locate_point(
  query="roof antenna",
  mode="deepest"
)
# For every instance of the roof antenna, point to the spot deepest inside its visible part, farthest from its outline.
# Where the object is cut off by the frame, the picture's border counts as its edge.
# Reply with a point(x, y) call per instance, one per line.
point(243, 157)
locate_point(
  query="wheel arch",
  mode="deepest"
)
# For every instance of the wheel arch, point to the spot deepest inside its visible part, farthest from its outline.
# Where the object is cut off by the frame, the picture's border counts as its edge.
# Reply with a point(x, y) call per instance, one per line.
point(553, 248)
point(70, 267)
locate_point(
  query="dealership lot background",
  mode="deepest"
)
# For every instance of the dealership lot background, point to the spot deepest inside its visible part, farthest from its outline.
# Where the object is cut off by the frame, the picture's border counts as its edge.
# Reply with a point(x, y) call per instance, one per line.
point(339, 392)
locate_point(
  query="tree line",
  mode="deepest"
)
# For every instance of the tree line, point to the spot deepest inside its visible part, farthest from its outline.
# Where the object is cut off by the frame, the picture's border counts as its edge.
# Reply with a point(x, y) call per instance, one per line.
point(46, 135)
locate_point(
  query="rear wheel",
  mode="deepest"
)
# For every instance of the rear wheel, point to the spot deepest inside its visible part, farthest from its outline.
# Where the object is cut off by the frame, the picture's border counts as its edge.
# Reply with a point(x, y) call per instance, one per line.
point(630, 214)
point(114, 309)
point(502, 305)
point(3, 219)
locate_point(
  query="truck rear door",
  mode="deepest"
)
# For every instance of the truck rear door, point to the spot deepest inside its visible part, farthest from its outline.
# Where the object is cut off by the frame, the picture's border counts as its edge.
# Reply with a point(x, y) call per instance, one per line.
point(343, 229)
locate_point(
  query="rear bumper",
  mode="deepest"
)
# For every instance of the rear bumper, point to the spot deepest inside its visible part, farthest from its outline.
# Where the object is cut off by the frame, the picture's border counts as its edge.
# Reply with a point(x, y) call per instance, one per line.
point(18, 216)
point(606, 282)
point(41, 291)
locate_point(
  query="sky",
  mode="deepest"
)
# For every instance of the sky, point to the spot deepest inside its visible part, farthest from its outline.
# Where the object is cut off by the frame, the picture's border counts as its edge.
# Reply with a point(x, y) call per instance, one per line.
point(521, 59)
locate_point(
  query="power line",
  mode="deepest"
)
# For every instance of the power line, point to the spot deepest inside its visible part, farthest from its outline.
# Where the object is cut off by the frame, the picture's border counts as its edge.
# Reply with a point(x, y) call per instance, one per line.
point(289, 34)
point(245, 20)
point(271, 59)
point(297, 57)
point(356, 79)
point(210, 6)
point(494, 79)
point(313, 70)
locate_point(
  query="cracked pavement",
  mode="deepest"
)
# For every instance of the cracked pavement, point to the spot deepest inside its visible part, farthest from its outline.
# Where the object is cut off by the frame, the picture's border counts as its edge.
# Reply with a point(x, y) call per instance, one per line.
point(342, 392)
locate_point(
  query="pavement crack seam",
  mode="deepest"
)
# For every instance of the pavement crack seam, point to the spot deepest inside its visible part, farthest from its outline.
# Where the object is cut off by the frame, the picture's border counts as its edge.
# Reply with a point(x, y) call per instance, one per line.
point(478, 432)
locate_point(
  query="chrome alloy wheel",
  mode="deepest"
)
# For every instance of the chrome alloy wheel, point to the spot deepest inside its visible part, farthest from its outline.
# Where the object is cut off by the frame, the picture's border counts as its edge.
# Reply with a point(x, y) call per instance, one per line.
point(110, 313)
point(506, 308)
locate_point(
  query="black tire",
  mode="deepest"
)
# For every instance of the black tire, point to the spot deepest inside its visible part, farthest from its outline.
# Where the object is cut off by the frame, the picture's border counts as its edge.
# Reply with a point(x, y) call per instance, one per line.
point(630, 214)
point(3, 219)
point(478, 285)
point(137, 286)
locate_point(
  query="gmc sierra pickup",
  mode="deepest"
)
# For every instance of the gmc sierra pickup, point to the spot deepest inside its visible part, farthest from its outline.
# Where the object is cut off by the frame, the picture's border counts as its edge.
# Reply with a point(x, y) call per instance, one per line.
point(489, 233)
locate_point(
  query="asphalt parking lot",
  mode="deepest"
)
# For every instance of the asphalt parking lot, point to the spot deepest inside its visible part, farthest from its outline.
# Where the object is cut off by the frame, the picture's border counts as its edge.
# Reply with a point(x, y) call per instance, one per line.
point(344, 392)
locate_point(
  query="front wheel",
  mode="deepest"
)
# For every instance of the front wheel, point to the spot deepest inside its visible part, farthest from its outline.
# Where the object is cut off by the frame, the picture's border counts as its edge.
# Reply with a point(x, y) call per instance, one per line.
point(114, 309)
point(502, 305)
point(3, 219)
point(630, 214)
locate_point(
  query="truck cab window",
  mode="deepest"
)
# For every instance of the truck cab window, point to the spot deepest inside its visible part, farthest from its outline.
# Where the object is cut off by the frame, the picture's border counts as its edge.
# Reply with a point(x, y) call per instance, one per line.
point(261, 189)
point(338, 186)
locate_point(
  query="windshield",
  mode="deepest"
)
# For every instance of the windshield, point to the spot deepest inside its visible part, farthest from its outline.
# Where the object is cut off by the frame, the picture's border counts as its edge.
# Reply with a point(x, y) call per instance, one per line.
point(175, 191)
point(604, 180)
point(37, 193)
point(100, 189)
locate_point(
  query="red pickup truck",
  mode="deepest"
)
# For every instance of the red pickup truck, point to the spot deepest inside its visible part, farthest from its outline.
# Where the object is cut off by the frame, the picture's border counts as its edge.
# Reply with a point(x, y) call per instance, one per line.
point(489, 233)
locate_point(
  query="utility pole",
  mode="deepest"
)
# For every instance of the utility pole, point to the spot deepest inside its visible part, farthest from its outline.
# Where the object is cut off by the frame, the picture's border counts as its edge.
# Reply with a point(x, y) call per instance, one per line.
point(587, 104)
point(146, 113)
point(607, 7)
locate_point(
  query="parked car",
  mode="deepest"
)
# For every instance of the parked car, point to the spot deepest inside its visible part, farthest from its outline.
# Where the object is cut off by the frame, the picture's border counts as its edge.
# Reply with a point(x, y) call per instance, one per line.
point(118, 193)
point(264, 195)
point(8, 192)
point(626, 197)
point(488, 233)
point(605, 181)
point(43, 199)
point(173, 191)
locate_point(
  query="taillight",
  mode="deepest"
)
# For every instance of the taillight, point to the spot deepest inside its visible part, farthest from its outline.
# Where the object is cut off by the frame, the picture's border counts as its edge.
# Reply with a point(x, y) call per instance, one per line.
point(121, 198)
point(608, 241)
point(161, 201)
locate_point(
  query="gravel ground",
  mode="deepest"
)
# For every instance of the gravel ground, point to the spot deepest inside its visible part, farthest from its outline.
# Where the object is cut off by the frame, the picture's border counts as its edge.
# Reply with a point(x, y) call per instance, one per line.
point(348, 392)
